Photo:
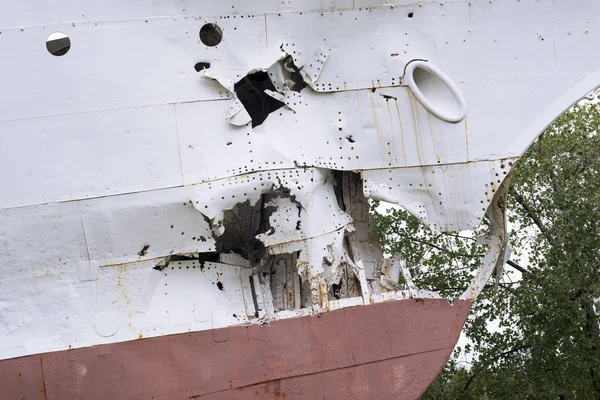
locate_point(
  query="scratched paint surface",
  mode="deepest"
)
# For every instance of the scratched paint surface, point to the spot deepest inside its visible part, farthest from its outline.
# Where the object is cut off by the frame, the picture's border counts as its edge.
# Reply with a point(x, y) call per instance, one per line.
point(124, 160)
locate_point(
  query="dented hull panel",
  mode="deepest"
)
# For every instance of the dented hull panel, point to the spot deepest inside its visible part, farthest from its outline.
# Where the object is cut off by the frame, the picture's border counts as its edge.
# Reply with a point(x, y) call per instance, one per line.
point(198, 176)
point(386, 350)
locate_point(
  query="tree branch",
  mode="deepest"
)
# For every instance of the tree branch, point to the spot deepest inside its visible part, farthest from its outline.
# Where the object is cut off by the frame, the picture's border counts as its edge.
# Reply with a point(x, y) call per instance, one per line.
point(504, 286)
point(518, 267)
point(438, 247)
point(503, 354)
point(531, 214)
point(458, 236)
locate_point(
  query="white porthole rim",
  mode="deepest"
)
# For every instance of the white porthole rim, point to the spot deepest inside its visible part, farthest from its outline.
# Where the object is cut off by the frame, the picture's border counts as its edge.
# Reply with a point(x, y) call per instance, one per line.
point(444, 115)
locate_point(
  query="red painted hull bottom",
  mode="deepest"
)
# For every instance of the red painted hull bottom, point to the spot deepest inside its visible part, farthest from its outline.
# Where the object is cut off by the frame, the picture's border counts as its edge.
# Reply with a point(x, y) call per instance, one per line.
point(390, 350)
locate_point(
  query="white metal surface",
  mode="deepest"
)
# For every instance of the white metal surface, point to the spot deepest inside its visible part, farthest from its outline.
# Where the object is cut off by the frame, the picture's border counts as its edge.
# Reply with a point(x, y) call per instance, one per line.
point(71, 314)
point(118, 156)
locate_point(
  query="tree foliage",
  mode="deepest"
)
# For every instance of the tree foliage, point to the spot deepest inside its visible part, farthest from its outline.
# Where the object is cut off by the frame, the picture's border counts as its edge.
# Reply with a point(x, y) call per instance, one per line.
point(534, 333)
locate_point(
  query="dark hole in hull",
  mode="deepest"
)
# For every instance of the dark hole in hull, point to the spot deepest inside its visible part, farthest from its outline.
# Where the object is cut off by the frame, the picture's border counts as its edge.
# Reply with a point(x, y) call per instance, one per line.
point(201, 65)
point(211, 35)
point(251, 92)
point(58, 47)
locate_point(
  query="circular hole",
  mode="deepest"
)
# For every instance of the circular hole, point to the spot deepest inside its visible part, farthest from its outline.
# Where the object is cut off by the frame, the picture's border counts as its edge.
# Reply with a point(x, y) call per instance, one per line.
point(211, 35)
point(58, 44)
point(436, 92)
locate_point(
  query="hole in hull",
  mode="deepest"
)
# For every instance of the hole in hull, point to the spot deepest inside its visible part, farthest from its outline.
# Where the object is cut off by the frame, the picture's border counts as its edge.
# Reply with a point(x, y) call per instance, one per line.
point(211, 34)
point(201, 65)
point(58, 44)
point(251, 92)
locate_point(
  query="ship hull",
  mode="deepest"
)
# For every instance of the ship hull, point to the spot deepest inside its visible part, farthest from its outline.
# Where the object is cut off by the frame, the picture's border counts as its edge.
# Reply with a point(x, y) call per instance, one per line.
point(391, 350)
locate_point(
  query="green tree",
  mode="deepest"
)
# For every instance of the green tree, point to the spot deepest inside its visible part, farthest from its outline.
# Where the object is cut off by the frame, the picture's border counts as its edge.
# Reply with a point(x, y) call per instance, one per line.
point(545, 340)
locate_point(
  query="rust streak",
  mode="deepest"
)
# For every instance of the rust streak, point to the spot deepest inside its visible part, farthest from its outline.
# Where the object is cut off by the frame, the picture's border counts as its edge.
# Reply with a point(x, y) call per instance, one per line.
point(43, 380)
point(417, 125)
point(393, 144)
point(433, 133)
point(401, 131)
point(376, 121)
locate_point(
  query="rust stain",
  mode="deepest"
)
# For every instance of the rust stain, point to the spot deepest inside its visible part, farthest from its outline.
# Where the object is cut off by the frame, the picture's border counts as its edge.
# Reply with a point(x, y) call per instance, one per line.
point(43, 380)
point(274, 389)
point(417, 125)
point(358, 104)
point(432, 131)
point(323, 297)
point(393, 144)
point(455, 328)
point(377, 128)
point(122, 276)
point(401, 131)
point(284, 365)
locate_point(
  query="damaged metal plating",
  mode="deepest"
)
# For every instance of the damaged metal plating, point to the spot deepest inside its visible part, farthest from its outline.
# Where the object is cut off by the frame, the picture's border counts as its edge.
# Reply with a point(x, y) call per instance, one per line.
point(316, 217)
point(236, 188)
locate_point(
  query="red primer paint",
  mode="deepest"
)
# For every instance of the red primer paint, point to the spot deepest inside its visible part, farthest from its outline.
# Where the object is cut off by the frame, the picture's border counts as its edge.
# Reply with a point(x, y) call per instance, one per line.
point(391, 350)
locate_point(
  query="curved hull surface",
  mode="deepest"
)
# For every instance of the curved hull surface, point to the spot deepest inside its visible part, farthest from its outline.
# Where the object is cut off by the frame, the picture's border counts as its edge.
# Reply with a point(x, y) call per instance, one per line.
point(378, 351)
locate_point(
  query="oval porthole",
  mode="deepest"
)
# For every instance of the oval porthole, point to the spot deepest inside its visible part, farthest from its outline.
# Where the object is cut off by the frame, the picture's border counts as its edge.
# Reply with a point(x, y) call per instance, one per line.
point(211, 35)
point(435, 91)
point(58, 44)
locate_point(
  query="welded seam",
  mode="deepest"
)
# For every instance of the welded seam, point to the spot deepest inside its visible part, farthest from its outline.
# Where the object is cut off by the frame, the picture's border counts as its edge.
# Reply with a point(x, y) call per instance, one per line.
point(101, 110)
point(95, 22)
point(512, 158)
point(177, 102)
point(322, 371)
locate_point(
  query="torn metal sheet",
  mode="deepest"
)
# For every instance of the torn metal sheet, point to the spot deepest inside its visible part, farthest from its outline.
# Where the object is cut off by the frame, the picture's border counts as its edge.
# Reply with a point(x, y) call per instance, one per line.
point(312, 66)
point(448, 198)
point(142, 226)
point(495, 256)
point(237, 114)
